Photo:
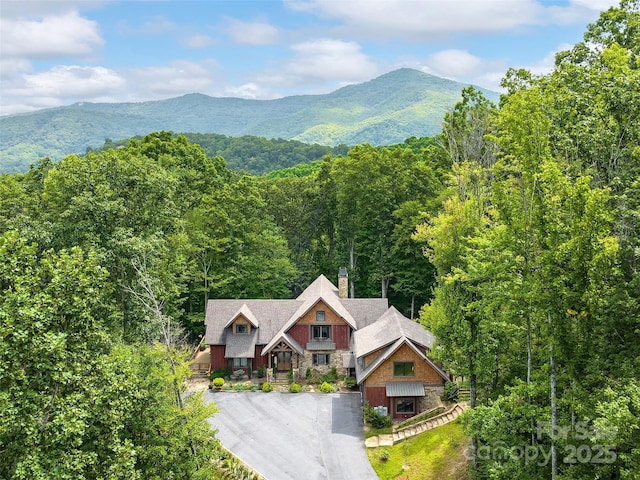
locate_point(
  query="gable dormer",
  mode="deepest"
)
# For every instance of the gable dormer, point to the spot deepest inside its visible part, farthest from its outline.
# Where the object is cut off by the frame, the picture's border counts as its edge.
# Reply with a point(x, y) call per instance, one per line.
point(242, 322)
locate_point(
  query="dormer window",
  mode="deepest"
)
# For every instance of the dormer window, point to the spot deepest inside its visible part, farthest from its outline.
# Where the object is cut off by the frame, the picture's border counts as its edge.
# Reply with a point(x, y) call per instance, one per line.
point(320, 316)
point(241, 328)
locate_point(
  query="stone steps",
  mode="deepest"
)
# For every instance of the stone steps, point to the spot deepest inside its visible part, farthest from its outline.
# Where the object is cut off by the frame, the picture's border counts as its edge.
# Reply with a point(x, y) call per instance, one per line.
point(391, 439)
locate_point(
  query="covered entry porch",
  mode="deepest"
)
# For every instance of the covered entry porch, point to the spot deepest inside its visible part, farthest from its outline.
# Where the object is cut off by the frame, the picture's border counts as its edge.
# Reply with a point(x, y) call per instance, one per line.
point(285, 355)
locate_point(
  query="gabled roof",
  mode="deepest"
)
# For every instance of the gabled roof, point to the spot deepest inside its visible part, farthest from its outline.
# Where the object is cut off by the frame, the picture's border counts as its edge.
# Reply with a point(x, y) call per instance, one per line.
point(387, 329)
point(273, 318)
point(271, 314)
point(241, 345)
point(390, 332)
point(363, 373)
point(321, 290)
point(246, 313)
point(288, 339)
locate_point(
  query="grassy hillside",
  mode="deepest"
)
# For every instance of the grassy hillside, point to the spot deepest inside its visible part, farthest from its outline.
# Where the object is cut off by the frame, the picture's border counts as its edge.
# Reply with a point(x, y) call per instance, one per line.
point(437, 454)
point(386, 110)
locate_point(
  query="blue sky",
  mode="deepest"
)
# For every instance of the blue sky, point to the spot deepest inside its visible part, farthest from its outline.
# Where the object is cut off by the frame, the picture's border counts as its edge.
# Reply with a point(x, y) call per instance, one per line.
point(55, 53)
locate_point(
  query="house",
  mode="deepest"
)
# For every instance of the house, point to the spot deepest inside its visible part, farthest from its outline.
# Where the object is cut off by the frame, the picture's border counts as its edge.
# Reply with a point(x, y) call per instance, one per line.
point(392, 366)
point(323, 328)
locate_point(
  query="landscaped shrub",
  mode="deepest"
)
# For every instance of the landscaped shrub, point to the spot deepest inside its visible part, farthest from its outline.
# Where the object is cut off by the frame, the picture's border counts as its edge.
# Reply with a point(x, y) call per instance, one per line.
point(450, 393)
point(295, 388)
point(218, 382)
point(385, 455)
point(290, 376)
point(239, 387)
point(221, 373)
point(326, 387)
point(373, 418)
point(314, 377)
point(261, 372)
point(267, 387)
point(330, 376)
point(350, 382)
point(308, 373)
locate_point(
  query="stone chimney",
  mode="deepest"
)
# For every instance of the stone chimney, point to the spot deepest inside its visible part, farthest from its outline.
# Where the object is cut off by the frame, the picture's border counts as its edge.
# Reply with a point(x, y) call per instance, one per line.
point(343, 283)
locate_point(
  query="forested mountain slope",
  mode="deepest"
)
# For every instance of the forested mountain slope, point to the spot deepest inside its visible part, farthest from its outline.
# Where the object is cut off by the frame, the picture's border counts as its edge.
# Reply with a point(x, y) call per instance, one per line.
point(382, 111)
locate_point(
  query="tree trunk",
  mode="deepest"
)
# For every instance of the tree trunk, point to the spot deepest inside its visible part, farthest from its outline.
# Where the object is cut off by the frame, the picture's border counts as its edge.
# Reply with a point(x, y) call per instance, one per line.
point(352, 266)
point(384, 284)
point(413, 305)
point(554, 413)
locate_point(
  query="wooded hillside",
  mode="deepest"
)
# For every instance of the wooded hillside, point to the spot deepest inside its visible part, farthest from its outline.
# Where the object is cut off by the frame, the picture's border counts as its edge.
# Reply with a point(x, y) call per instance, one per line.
point(382, 111)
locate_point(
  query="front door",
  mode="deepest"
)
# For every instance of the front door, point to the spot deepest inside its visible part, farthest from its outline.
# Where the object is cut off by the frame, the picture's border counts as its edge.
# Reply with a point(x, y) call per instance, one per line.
point(284, 361)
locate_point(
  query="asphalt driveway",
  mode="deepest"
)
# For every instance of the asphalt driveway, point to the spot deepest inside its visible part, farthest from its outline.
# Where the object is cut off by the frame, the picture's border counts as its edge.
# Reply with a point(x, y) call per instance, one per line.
point(292, 436)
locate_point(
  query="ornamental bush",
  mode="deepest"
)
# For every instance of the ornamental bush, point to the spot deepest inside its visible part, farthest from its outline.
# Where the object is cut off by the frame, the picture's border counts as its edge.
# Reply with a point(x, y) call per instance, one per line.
point(218, 382)
point(295, 388)
point(267, 387)
point(326, 387)
point(450, 392)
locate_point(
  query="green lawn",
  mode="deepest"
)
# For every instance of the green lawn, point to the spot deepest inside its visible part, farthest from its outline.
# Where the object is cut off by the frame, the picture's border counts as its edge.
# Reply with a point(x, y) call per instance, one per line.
point(436, 454)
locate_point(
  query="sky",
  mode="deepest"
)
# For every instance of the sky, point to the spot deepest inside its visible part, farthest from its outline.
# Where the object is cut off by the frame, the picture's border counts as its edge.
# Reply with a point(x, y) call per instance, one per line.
point(55, 53)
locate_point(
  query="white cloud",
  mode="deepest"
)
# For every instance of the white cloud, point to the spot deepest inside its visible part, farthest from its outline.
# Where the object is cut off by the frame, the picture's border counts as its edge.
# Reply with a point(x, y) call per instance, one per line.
point(328, 59)
point(454, 63)
point(60, 85)
point(71, 81)
point(248, 90)
point(177, 78)
point(198, 41)
point(53, 36)
point(252, 33)
point(428, 19)
point(13, 66)
point(424, 19)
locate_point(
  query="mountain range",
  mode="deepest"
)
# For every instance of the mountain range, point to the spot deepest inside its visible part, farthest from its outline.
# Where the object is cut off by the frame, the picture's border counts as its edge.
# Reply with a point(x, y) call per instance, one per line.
point(382, 111)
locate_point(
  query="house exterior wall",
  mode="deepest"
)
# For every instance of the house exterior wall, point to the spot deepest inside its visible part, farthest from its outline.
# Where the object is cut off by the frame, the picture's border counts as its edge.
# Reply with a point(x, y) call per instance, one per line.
point(340, 336)
point(331, 318)
point(217, 357)
point(241, 321)
point(376, 396)
point(374, 386)
point(300, 333)
point(423, 371)
point(259, 361)
point(335, 360)
point(370, 357)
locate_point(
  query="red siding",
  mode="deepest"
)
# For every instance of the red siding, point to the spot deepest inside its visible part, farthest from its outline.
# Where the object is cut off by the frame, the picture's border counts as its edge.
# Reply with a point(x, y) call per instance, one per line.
point(259, 361)
point(377, 397)
point(341, 336)
point(300, 333)
point(217, 357)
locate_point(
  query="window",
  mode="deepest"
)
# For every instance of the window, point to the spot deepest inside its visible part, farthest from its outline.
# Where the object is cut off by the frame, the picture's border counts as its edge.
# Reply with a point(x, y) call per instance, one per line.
point(240, 362)
point(403, 369)
point(321, 359)
point(320, 332)
point(320, 317)
point(241, 328)
point(405, 405)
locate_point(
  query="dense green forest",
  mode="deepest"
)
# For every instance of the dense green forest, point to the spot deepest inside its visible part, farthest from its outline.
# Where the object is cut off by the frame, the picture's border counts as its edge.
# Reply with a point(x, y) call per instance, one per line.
point(254, 155)
point(517, 230)
point(537, 256)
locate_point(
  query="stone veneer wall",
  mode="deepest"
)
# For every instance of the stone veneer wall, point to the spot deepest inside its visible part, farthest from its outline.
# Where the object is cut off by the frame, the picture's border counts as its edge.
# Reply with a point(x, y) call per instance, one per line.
point(335, 360)
point(432, 397)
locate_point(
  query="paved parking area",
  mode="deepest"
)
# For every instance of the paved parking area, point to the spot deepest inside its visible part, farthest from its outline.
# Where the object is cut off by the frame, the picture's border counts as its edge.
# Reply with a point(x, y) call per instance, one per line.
point(292, 436)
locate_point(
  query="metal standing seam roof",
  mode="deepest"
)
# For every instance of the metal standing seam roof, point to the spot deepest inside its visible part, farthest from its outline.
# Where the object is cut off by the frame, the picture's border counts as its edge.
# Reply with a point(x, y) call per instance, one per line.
point(405, 389)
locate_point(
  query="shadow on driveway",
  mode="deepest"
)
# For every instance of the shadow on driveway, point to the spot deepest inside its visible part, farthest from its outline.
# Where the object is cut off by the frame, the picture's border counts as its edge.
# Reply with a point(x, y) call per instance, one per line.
point(292, 436)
